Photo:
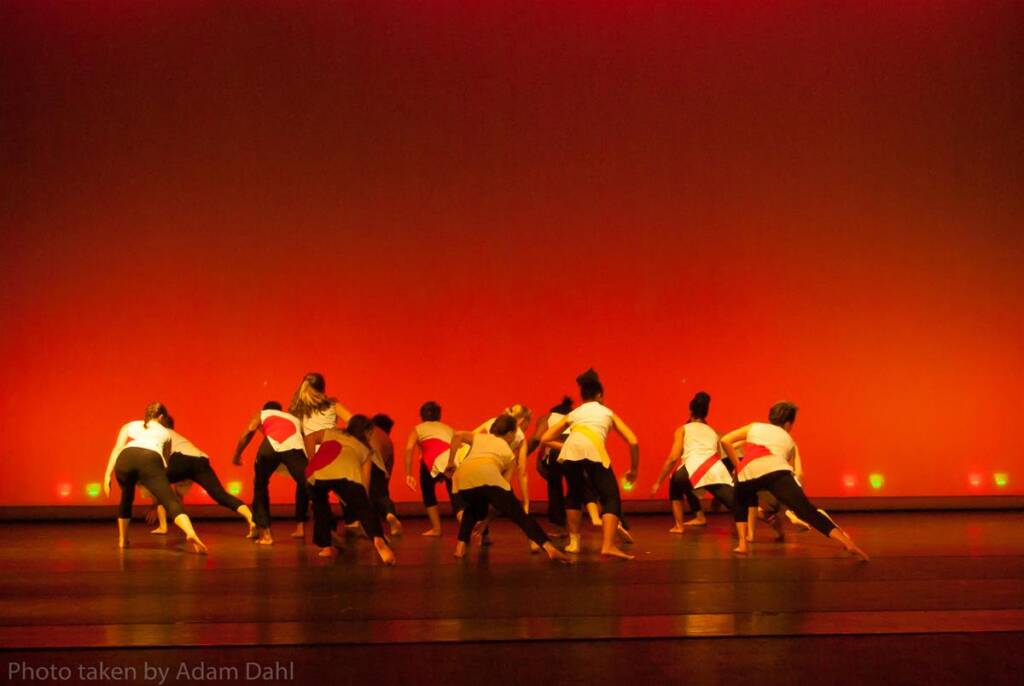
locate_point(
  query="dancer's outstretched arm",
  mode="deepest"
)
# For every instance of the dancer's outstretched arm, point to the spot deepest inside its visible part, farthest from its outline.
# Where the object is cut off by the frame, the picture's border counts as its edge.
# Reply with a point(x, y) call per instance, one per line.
point(410, 447)
point(634, 448)
point(673, 456)
point(550, 436)
point(253, 425)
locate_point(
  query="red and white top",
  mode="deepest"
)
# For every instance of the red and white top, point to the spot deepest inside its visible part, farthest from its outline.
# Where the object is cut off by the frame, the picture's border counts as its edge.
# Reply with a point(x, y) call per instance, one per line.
point(768, 449)
point(153, 436)
point(701, 458)
point(597, 420)
point(282, 430)
point(434, 438)
point(485, 428)
point(180, 444)
point(339, 456)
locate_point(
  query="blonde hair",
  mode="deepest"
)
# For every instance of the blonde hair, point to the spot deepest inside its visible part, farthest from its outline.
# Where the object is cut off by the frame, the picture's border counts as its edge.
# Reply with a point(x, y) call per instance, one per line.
point(310, 396)
point(518, 412)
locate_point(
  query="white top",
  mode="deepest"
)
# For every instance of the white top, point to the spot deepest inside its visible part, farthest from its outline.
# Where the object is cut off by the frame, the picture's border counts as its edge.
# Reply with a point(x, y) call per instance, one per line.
point(700, 444)
point(485, 465)
point(180, 444)
point(321, 419)
point(777, 441)
point(486, 428)
point(348, 453)
point(152, 437)
point(595, 417)
point(282, 430)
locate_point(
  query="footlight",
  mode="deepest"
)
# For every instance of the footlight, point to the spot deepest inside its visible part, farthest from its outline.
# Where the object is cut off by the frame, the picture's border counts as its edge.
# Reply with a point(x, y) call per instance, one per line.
point(93, 489)
point(974, 480)
point(63, 490)
point(1001, 479)
point(877, 481)
point(234, 487)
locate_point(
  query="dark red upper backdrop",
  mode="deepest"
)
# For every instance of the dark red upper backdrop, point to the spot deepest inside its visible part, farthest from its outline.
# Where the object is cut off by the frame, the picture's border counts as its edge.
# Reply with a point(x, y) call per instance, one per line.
point(473, 201)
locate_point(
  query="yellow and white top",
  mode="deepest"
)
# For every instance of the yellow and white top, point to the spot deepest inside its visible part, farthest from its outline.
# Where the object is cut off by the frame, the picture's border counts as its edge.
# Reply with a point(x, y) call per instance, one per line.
point(588, 428)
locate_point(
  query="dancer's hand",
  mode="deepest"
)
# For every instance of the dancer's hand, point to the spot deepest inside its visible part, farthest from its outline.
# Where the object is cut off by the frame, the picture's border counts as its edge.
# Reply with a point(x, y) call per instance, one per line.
point(410, 482)
point(655, 487)
point(630, 476)
point(106, 487)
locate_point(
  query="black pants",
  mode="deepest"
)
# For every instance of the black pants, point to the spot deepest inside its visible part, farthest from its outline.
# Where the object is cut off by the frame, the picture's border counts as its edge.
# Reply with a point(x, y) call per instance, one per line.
point(680, 487)
point(551, 471)
point(478, 500)
point(428, 485)
point(267, 462)
point(578, 473)
point(783, 486)
point(380, 497)
point(353, 497)
point(191, 468)
point(138, 465)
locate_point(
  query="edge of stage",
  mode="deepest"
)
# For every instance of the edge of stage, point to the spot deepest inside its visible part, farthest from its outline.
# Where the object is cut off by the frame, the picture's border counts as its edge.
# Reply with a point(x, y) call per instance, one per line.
point(941, 601)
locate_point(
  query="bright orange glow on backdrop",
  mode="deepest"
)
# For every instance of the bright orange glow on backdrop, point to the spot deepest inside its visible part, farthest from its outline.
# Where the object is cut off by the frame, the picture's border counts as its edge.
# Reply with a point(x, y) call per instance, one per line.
point(473, 201)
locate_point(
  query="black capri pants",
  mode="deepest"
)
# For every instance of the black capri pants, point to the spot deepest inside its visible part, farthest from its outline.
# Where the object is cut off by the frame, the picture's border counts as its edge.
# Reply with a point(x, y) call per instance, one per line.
point(476, 502)
point(380, 496)
point(783, 486)
point(577, 475)
point(139, 465)
point(353, 497)
point(680, 487)
point(182, 467)
point(267, 462)
point(428, 486)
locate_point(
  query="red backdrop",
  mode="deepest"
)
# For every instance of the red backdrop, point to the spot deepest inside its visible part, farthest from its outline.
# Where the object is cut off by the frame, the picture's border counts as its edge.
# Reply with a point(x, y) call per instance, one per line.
point(473, 201)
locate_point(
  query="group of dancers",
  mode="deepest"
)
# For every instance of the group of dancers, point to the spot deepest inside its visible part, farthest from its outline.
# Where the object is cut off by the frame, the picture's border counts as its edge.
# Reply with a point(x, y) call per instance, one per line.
point(327, 449)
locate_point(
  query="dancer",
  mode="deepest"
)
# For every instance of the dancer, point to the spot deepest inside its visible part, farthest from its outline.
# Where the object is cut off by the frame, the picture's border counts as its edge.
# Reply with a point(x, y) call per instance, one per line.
point(482, 481)
point(584, 455)
point(521, 414)
point(189, 463)
point(547, 462)
point(765, 467)
point(432, 438)
point(383, 461)
point(342, 464)
point(140, 456)
point(316, 410)
point(282, 444)
point(698, 465)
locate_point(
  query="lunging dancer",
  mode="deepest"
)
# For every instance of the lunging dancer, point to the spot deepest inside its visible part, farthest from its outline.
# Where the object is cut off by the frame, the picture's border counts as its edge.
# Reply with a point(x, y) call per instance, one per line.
point(432, 438)
point(189, 463)
point(584, 456)
point(282, 444)
point(482, 481)
point(698, 465)
point(140, 456)
point(342, 464)
point(383, 461)
point(521, 415)
point(765, 466)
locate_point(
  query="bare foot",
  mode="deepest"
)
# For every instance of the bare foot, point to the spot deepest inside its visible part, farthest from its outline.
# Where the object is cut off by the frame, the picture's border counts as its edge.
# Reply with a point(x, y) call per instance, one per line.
point(326, 552)
point(741, 549)
point(556, 555)
point(300, 531)
point(697, 521)
point(460, 550)
point(252, 531)
point(624, 534)
point(616, 552)
point(574, 544)
point(198, 547)
point(387, 556)
point(265, 538)
point(122, 543)
point(534, 548)
point(160, 530)
point(433, 533)
point(858, 553)
point(676, 529)
point(396, 526)
point(596, 521)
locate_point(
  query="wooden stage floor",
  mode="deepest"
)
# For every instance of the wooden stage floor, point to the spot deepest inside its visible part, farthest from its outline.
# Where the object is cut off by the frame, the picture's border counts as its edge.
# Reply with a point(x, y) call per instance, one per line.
point(942, 601)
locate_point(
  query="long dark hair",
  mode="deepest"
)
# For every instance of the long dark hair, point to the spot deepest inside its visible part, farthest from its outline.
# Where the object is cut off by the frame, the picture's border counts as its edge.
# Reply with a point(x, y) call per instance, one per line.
point(700, 405)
